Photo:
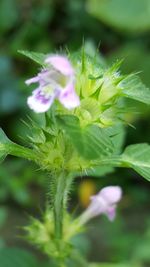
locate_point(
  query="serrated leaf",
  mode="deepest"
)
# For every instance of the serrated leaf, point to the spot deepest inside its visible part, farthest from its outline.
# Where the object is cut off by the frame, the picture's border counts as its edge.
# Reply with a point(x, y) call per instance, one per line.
point(37, 57)
point(15, 257)
point(125, 15)
point(91, 141)
point(132, 87)
point(9, 147)
point(137, 157)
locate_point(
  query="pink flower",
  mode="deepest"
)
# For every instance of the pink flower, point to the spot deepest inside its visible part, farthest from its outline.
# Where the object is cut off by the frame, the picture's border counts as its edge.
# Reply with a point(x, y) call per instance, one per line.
point(56, 81)
point(105, 202)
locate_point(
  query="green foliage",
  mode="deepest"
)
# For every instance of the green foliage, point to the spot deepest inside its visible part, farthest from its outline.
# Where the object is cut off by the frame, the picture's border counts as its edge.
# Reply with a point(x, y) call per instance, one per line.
point(37, 57)
point(127, 15)
point(8, 147)
point(135, 89)
point(40, 233)
point(138, 157)
point(99, 171)
point(91, 141)
point(117, 134)
point(97, 146)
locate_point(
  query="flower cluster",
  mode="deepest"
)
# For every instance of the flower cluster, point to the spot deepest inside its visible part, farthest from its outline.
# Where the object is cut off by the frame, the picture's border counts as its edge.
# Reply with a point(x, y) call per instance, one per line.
point(56, 81)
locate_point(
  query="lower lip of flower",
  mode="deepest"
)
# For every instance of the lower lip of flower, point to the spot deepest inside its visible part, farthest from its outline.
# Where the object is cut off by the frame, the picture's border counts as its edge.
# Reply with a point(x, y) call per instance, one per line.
point(42, 97)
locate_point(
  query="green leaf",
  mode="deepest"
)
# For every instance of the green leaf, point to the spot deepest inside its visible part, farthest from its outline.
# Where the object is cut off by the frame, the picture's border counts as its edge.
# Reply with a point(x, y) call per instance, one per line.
point(14, 257)
point(37, 57)
point(100, 171)
point(125, 15)
point(117, 134)
point(91, 141)
point(8, 147)
point(137, 157)
point(132, 87)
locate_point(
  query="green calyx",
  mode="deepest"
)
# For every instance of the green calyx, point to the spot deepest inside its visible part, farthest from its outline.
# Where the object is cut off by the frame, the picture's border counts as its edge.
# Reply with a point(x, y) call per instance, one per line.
point(103, 90)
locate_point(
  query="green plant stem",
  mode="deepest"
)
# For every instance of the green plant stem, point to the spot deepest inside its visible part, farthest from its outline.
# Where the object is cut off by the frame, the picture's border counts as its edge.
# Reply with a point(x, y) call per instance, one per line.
point(59, 204)
point(62, 185)
point(60, 199)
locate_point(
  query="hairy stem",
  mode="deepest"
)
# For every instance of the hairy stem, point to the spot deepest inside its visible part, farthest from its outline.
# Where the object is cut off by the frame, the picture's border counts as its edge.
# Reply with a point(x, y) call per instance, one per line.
point(59, 204)
point(61, 188)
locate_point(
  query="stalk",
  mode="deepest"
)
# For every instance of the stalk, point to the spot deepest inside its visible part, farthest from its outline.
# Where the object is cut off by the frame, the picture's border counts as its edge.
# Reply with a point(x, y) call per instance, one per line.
point(59, 204)
point(61, 189)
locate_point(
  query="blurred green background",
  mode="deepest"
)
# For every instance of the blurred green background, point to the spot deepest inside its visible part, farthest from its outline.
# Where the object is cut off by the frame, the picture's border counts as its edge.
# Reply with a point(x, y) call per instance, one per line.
point(118, 29)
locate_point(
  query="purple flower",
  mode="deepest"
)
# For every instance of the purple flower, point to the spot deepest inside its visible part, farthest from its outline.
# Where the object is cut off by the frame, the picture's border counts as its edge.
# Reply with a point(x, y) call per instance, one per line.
point(105, 202)
point(55, 81)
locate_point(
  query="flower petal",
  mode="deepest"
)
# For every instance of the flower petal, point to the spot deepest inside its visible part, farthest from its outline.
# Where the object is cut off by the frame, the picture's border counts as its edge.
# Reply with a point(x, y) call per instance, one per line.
point(112, 194)
point(111, 213)
point(60, 63)
point(38, 102)
point(68, 97)
point(32, 80)
point(97, 206)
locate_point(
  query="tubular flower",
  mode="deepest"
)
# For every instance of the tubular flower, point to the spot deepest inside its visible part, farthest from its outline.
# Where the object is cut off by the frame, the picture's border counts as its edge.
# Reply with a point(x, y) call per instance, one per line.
point(105, 202)
point(55, 81)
